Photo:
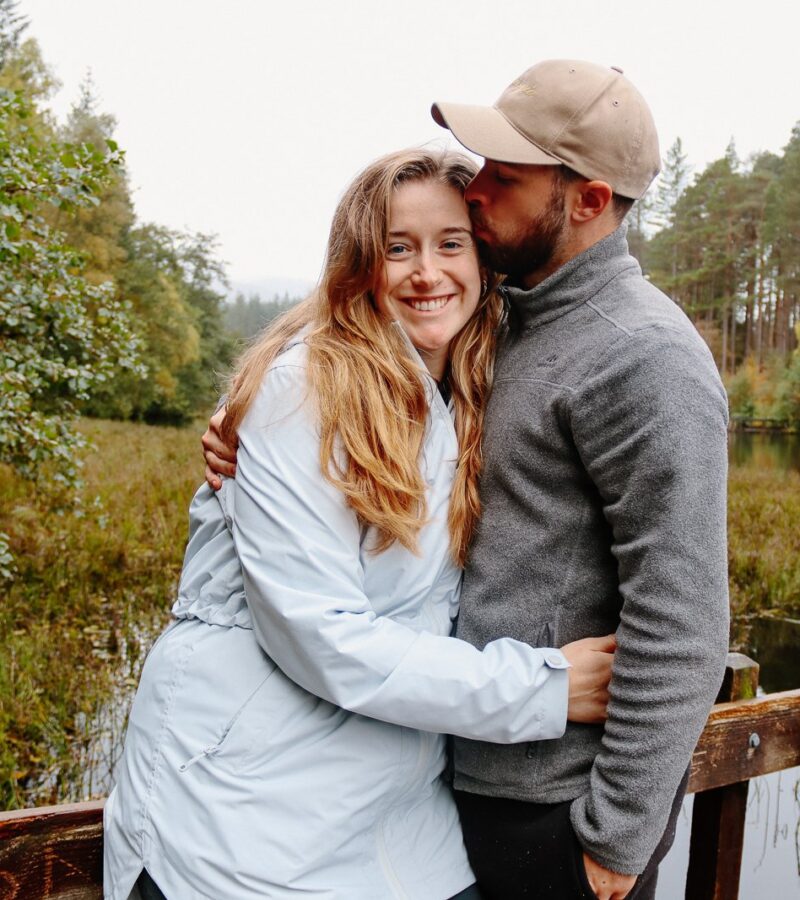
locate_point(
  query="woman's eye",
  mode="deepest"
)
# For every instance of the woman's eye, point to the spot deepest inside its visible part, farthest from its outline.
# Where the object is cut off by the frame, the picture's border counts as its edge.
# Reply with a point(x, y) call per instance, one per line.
point(452, 245)
point(396, 250)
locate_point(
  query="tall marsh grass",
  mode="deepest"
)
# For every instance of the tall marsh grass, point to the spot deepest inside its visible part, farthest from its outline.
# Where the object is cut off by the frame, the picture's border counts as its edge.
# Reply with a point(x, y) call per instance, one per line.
point(95, 581)
point(763, 541)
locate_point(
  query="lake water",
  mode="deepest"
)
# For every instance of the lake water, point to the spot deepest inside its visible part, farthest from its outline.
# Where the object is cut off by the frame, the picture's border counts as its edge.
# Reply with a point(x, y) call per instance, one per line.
point(765, 450)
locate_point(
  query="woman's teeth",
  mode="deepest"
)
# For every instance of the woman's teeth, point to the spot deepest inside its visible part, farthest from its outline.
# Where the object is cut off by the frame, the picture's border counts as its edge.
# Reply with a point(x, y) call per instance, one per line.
point(428, 305)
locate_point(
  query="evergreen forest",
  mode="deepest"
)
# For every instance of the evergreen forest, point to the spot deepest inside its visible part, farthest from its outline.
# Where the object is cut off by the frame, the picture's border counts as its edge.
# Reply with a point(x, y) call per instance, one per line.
point(724, 243)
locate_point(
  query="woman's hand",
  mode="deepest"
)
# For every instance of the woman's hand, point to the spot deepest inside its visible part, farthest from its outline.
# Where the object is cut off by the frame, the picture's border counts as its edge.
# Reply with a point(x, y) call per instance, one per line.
point(220, 457)
point(591, 660)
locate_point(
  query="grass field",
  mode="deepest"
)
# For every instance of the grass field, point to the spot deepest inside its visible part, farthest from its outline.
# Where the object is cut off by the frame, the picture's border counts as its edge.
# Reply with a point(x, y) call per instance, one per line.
point(95, 583)
point(763, 540)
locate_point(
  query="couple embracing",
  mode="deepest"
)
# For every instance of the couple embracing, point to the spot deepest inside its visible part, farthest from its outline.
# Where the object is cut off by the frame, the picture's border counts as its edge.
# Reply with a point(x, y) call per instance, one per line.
point(460, 507)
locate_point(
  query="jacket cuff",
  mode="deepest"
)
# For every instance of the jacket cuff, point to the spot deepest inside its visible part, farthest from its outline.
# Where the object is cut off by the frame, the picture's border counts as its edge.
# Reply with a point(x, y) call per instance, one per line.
point(554, 695)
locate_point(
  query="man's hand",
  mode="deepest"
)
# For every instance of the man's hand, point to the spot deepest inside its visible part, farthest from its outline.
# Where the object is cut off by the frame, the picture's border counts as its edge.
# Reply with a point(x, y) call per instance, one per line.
point(220, 458)
point(591, 660)
point(606, 884)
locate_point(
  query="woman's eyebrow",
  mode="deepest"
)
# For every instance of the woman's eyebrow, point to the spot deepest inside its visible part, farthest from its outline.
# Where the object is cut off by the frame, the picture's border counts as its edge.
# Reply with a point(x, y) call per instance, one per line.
point(450, 229)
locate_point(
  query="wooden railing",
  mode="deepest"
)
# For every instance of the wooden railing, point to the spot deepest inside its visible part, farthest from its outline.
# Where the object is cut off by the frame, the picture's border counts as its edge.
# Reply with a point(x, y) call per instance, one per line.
point(56, 852)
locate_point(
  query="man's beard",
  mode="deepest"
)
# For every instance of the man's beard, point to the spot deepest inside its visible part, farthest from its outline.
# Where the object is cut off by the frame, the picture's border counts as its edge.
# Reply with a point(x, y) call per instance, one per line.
point(532, 249)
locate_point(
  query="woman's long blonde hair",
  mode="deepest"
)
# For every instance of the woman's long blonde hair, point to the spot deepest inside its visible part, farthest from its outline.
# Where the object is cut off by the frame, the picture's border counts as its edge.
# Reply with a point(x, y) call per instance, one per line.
point(370, 394)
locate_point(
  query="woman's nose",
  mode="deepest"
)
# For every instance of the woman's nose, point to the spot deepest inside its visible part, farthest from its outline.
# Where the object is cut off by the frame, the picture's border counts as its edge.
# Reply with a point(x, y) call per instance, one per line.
point(427, 272)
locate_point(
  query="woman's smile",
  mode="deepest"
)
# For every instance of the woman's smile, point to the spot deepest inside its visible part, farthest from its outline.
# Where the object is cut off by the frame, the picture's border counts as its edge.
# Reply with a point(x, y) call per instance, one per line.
point(428, 304)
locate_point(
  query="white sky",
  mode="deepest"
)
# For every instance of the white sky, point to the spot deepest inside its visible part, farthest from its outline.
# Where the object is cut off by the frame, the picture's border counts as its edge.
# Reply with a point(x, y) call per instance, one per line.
point(248, 117)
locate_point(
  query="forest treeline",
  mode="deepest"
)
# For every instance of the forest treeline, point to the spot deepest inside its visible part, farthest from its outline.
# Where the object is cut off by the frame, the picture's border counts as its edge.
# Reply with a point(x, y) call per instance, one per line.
point(725, 245)
point(247, 315)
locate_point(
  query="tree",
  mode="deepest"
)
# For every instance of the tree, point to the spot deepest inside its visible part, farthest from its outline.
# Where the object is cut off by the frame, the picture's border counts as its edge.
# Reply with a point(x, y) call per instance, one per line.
point(59, 335)
point(672, 182)
point(783, 232)
point(246, 316)
point(98, 230)
point(788, 400)
point(12, 26)
point(169, 279)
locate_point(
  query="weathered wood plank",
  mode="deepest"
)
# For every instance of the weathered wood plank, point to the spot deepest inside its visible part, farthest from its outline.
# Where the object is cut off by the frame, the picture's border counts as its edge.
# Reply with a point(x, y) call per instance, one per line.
point(717, 838)
point(740, 681)
point(715, 853)
point(746, 739)
point(52, 852)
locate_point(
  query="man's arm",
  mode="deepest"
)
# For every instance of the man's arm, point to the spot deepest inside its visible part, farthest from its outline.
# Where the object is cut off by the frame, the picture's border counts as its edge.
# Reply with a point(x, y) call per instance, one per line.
point(650, 422)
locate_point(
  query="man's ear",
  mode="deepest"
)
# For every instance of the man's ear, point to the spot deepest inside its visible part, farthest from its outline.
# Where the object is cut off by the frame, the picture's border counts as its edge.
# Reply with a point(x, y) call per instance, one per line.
point(591, 199)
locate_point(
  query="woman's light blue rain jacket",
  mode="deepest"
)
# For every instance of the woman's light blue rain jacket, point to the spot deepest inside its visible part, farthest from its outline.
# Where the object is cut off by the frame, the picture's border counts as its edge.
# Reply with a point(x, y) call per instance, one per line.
point(290, 745)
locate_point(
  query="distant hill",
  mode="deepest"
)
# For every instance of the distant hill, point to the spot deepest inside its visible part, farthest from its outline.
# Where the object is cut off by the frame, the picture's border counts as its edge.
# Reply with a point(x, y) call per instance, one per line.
point(246, 316)
point(267, 288)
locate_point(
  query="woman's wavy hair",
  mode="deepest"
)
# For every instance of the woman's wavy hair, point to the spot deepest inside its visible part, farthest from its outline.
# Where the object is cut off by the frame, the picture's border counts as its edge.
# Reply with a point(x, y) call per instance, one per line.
point(370, 393)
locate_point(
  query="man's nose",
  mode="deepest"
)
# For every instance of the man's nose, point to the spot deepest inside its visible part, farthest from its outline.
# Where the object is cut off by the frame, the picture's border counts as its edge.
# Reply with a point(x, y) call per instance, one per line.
point(474, 194)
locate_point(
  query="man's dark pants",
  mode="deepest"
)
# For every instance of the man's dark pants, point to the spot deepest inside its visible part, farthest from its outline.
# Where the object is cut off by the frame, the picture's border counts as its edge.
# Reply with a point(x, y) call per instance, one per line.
point(529, 850)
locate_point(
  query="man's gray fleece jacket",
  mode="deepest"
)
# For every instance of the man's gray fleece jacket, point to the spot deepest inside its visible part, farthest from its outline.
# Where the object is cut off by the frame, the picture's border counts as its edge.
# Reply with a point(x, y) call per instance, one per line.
point(604, 492)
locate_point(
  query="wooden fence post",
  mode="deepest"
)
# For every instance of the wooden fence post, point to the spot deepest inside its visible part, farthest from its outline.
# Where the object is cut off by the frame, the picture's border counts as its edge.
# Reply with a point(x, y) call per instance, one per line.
point(718, 817)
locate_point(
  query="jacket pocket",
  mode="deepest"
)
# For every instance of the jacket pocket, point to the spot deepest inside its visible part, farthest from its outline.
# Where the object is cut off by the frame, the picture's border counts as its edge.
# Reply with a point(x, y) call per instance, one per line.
point(546, 635)
point(217, 746)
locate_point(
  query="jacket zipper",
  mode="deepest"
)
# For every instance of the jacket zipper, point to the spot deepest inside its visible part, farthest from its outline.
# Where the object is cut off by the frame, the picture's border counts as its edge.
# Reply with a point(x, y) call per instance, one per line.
point(216, 747)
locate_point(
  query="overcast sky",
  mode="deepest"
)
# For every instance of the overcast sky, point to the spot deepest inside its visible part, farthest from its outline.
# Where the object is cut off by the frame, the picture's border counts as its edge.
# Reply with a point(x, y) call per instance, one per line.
point(248, 117)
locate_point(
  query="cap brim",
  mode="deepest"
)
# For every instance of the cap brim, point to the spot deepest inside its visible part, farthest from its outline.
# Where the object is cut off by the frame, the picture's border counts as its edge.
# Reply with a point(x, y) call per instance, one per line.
point(486, 131)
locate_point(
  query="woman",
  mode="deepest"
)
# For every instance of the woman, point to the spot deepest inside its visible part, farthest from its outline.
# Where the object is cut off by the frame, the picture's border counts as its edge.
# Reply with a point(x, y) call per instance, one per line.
point(290, 745)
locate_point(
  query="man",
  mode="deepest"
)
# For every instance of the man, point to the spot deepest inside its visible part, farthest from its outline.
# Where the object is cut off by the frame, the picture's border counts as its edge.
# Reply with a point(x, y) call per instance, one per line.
point(603, 490)
point(603, 494)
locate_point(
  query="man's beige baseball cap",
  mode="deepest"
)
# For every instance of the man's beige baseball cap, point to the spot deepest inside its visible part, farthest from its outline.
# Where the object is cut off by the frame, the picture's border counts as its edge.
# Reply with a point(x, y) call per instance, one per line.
point(564, 111)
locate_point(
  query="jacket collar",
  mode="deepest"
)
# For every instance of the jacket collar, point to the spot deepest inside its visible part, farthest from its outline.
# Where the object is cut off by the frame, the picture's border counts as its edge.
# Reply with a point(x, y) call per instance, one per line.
point(435, 399)
point(573, 284)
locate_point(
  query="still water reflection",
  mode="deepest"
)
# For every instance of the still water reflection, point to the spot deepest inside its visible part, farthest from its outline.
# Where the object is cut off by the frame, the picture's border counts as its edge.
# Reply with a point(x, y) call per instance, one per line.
point(764, 450)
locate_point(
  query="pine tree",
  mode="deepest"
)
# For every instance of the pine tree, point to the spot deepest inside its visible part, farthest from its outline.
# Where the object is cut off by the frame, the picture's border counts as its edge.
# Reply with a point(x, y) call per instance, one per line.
point(99, 230)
